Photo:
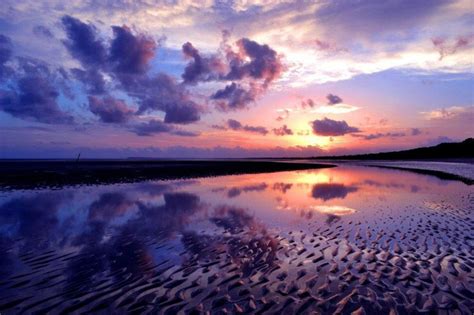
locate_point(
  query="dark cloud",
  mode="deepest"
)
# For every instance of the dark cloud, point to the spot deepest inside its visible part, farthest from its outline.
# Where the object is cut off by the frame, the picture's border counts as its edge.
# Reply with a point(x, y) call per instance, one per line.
point(5, 55)
point(263, 62)
point(185, 133)
point(236, 125)
point(446, 48)
point(327, 191)
point(110, 110)
point(415, 132)
point(5, 49)
point(333, 99)
point(40, 30)
point(157, 126)
point(83, 42)
point(251, 68)
point(92, 79)
point(329, 127)
point(162, 93)
point(131, 53)
point(35, 98)
point(201, 68)
point(152, 127)
point(283, 131)
point(234, 97)
point(182, 113)
point(127, 60)
point(379, 135)
point(307, 103)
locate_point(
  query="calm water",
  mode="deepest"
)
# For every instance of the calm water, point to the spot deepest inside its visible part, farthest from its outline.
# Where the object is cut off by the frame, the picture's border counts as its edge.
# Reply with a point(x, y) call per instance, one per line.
point(342, 239)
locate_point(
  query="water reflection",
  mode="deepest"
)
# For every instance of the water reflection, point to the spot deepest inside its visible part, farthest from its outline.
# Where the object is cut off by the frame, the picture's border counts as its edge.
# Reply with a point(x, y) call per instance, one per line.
point(241, 243)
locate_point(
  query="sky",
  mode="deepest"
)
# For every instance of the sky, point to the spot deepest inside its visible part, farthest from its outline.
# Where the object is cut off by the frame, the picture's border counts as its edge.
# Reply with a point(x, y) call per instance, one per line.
point(233, 79)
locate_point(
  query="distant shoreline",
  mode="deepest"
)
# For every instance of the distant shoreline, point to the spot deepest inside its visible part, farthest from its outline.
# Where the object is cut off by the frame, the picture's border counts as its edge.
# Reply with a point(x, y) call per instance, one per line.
point(33, 174)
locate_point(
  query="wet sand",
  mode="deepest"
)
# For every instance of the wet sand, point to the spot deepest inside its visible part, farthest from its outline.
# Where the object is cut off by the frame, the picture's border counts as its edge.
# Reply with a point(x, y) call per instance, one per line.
point(345, 240)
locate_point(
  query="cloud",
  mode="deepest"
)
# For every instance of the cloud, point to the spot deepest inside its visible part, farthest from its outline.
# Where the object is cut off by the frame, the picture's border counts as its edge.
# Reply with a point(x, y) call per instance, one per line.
point(335, 109)
point(264, 63)
point(379, 135)
point(251, 69)
point(5, 55)
point(329, 127)
point(450, 113)
point(285, 114)
point(127, 60)
point(415, 132)
point(340, 16)
point(234, 97)
point(83, 42)
point(92, 80)
point(307, 103)
point(283, 131)
point(152, 127)
point(131, 53)
point(163, 93)
point(236, 125)
point(40, 30)
point(445, 48)
point(333, 99)
point(201, 68)
point(157, 126)
point(35, 98)
point(110, 110)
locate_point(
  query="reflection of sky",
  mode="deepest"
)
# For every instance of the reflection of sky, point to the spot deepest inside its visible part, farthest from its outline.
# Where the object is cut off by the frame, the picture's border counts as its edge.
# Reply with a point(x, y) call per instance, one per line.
point(129, 230)
point(274, 199)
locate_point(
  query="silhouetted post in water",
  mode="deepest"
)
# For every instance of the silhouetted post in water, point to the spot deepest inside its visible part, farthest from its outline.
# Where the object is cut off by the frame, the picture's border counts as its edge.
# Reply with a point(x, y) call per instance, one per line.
point(78, 156)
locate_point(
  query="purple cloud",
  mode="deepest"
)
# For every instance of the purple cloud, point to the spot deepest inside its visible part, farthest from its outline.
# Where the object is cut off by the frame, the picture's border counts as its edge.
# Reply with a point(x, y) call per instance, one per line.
point(110, 110)
point(236, 125)
point(234, 96)
point(264, 62)
point(163, 93)
point(415, 132)
point(157, 126)
point(333, 99)
point(445, 48)
point(5, 55)
point(131, 53)
point(329, 127)
point(307, 103)
point(34, 91)
point(35, 98)
point(283, 131)
point(201, 68)
point(379, 135)
point(83, 42)
point(152, 127)
point(40, 30)
point(92, 80)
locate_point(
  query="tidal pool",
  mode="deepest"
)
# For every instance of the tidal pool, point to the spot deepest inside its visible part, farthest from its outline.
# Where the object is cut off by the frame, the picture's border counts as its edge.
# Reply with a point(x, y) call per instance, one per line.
point(336, 240)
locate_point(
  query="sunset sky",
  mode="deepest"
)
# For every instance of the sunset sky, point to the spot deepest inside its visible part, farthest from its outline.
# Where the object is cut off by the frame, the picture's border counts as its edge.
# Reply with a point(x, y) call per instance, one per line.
point(195, 79)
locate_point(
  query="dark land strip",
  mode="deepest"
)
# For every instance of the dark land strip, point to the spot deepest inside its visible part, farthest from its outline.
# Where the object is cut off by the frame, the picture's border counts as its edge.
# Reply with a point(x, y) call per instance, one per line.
point(28, 174)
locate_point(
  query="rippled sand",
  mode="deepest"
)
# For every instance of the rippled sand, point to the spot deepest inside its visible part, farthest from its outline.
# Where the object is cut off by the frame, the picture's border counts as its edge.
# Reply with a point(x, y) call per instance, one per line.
point(341, 240)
